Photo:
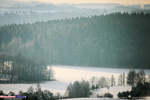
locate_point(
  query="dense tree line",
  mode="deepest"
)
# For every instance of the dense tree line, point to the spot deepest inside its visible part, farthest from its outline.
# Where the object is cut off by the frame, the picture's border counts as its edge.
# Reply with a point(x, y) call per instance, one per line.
point(134, 77)
point(33, 94)
point(131, 79)
point(140, 85)
point(83, 88)
point(18, 68)
point(114, 40)
point(140, 90)
point(78, 89)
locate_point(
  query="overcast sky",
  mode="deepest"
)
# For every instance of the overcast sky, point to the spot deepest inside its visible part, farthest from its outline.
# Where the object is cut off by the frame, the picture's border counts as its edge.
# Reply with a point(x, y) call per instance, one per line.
point(125, 2)
point(95, 1)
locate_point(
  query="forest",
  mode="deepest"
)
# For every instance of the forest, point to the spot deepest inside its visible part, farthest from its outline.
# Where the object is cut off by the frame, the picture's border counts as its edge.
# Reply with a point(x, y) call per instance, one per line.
point(20, 69)
point(117, 40)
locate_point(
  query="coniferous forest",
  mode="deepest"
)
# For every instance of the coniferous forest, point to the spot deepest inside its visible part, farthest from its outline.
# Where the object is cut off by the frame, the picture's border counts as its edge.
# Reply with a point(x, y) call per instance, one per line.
point(117, 40)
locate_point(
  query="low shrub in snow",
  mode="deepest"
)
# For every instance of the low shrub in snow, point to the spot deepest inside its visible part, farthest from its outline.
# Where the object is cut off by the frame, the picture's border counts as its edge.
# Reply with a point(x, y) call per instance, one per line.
point(109, 95)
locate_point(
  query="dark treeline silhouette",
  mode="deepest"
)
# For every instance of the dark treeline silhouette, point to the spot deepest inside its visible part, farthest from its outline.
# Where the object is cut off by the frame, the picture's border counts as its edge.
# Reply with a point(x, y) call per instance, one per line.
point(140, 85)
point(18, 68)
point(33, 94)
point(78, 89)
point(138, 91)
point(115, 40)
point(134, 77)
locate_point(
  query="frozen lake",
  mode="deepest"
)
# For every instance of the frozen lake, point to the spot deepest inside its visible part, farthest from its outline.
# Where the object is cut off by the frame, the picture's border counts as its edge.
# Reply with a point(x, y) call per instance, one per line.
point(66, 74)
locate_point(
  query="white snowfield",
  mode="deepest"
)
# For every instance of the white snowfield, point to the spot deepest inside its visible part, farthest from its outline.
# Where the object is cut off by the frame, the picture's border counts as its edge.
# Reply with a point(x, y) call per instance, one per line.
point(89, 99)
point(113, 90)
point(66, 74)
point(146, 98)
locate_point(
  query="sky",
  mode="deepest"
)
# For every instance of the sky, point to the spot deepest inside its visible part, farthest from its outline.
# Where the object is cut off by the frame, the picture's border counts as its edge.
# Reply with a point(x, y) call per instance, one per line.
point(94, 1)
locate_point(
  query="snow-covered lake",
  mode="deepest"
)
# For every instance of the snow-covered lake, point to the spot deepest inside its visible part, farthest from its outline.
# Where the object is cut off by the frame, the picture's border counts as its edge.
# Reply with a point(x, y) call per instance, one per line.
point(66, 74)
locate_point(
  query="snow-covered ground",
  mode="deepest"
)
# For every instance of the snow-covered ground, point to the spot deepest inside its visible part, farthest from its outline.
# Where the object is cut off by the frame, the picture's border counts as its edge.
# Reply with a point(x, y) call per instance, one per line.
point(146, 98)
point(66, 74)
point(113, 90)
point(89, 99)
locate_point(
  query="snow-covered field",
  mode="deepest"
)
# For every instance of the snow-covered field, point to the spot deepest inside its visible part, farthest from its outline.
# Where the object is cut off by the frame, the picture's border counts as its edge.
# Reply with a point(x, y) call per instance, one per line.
point(146, 98)
point(66, 74)
point(113, 90)
point(89, 99)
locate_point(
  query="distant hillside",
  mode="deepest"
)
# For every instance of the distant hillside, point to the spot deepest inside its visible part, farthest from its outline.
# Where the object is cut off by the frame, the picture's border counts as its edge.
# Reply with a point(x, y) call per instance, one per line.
point(114, 40)
point(20, 12)
point(97, 5)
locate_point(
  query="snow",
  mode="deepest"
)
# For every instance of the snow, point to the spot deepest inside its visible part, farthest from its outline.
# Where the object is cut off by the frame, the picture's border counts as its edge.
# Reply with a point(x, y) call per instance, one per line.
point(66, 74)
point(147, 98)
point(89, 99)
point(113, 90)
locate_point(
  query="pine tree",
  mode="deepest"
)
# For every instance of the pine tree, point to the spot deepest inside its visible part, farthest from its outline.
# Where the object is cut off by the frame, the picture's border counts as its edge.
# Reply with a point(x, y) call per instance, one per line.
point(131, 77)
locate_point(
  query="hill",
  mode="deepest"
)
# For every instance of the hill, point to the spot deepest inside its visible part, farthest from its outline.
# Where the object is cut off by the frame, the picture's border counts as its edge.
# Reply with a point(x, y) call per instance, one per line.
point(116, 40)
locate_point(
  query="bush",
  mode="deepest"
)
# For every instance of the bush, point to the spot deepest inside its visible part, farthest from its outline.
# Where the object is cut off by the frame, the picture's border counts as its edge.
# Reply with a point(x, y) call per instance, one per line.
point(1, 92)
point(119, 95)
point(124, 94)
point(109, 95)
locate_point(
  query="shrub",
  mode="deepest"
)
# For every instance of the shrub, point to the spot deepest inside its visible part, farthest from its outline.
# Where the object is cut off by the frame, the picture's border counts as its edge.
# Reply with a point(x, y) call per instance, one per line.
point(109, 95)
point(1, 92)
point(119, 95)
